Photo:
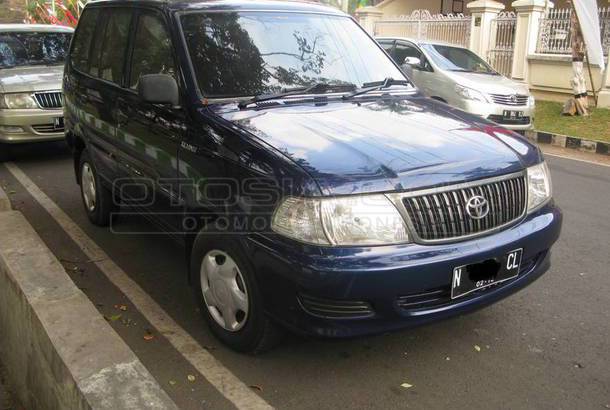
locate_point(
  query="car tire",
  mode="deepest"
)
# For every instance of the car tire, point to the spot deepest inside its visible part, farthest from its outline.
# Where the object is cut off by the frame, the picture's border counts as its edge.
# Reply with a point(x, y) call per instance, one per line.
point(255, 333)
point(97, 198)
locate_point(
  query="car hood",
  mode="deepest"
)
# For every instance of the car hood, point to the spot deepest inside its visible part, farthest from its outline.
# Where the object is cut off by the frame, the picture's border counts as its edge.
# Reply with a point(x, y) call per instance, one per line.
point(493, 84)
point(31, 78)
point(387, 145)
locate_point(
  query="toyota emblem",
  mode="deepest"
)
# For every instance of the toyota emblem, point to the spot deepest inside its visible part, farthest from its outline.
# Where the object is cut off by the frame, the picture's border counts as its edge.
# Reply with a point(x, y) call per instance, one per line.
point(477, 207)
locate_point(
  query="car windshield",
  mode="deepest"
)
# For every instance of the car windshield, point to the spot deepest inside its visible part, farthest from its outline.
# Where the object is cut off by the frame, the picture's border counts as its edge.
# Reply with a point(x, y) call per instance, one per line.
point(33, 48)
point(457, 59)
point(237, 54)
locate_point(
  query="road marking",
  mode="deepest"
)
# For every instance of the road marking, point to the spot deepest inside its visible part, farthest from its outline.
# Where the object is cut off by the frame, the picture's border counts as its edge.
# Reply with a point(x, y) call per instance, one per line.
point(216, 374)
point(575, 159)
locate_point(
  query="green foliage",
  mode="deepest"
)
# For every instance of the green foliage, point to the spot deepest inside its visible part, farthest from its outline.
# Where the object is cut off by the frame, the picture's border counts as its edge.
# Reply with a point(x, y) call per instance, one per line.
point(66, 12)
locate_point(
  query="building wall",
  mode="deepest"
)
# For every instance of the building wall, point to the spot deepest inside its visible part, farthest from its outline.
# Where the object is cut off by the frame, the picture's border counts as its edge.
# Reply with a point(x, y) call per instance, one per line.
point(12, 11)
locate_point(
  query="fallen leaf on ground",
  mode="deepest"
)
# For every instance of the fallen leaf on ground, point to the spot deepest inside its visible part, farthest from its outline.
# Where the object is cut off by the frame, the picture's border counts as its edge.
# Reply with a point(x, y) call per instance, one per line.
point(256, 387)
point(406, 385)
point(477, 348)
point(121, 307)
point(190, 378)
point(172, 382)
point(112, 318)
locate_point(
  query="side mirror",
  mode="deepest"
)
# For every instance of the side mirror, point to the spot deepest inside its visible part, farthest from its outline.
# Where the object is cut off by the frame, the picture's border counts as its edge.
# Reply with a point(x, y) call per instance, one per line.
point(413, 62)
point(159, 89)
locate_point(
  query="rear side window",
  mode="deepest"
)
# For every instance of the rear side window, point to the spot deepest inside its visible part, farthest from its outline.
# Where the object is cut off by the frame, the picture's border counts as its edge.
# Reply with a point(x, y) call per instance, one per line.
point(82, 39)
point(116, 35)
point(152, 49)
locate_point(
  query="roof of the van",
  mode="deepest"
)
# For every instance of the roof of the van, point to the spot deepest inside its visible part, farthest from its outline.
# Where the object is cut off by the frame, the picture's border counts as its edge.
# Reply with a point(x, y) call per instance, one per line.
point(35, 28)
point(231, 5)
point(419, 42)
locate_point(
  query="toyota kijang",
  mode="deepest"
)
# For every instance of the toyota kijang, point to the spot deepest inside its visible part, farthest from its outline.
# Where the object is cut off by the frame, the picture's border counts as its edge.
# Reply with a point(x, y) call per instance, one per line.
point(314, 187)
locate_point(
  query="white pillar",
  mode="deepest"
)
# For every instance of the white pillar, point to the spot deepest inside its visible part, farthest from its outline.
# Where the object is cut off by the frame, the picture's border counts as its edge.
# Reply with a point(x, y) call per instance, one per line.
point(483, 12)
point(529, 13)
point(367, 16)
point(603, 98)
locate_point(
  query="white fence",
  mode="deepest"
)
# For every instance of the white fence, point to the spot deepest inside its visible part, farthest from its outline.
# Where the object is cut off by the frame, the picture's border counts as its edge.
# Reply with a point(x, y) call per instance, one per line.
point(502, 42)
point(451, 28)
point(554, 35)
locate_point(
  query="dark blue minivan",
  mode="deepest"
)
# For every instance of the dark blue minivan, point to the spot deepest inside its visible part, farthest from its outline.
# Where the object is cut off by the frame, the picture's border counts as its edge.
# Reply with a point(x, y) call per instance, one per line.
point(314, 187)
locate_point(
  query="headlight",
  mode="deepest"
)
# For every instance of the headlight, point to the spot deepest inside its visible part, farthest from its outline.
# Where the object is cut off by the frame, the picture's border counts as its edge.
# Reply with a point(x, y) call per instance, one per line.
point(17, 101)
point(538, 186)
point(353, 220)
point(470, 94)
point(531, 101)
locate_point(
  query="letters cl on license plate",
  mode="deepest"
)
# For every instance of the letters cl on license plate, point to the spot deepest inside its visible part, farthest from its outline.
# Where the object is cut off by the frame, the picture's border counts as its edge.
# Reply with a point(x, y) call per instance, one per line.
point(476, 276)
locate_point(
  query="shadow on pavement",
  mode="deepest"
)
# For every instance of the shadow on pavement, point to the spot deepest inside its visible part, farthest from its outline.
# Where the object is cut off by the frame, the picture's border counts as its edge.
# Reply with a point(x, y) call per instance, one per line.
point(34, 151)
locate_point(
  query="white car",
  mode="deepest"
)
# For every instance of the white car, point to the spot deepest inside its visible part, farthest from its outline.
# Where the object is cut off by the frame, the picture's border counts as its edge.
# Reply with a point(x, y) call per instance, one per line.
point(31, 69)
point(461, 78)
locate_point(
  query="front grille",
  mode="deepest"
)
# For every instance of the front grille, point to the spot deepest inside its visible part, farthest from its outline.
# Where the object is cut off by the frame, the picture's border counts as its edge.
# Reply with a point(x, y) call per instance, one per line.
point(499, 119)
point(515, 100)
point(49, 99)
point(423, 300)
point(47, 128)
point(335, 309)
point(442, 214)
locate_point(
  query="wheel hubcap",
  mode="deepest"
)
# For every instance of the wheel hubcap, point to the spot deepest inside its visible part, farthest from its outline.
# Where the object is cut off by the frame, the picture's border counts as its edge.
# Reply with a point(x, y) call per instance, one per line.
point(224, 291)
point(88, 186)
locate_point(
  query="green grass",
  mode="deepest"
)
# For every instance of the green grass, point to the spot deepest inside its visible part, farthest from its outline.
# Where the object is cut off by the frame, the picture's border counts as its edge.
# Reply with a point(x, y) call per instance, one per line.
point(595, 127)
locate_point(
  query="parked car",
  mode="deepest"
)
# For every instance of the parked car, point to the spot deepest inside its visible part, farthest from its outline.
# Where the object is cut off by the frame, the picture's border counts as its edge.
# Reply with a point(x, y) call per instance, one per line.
point(462, 79)
point(31, 68)
point(314, 187)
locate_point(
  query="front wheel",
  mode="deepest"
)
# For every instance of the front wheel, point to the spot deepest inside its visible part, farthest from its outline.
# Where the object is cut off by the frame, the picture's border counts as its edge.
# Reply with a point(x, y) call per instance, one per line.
point(97, 199)
point(227, 292)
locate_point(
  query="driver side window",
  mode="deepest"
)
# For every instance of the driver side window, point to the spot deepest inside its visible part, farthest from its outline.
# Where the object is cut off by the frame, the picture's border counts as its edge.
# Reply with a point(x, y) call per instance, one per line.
point(403, 51)
point(152, 51)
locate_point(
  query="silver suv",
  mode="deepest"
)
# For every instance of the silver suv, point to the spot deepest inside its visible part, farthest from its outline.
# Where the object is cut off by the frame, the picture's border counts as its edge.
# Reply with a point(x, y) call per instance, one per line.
point(461, 78)
point(31, 68)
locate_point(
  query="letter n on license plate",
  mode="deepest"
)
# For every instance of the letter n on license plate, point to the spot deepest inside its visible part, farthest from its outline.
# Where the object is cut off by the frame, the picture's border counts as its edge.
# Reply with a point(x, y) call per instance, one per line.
point(468, 278)
point(58, 122)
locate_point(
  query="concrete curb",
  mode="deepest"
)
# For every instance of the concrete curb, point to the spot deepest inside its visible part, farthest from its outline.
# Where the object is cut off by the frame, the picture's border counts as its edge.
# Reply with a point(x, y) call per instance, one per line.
point(58, 350)
point(566, 141)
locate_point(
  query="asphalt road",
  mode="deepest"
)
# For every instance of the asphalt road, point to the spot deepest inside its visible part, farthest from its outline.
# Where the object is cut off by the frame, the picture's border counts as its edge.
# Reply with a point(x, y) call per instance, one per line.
point(545, 347)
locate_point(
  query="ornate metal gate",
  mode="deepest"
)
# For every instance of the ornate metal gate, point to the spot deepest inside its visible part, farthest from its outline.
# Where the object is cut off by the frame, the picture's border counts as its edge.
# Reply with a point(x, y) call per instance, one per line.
point(422, 25)
point(502, 42)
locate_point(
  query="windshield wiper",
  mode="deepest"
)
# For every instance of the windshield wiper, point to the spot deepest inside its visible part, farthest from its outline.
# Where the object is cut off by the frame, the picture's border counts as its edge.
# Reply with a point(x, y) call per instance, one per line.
point(316, 88)
point(376, 86)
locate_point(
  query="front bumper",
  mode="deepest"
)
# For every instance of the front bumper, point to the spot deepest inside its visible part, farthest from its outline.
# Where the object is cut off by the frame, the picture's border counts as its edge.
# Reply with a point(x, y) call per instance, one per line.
point(34, 124)
point(383, 276)
point(494, 112)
